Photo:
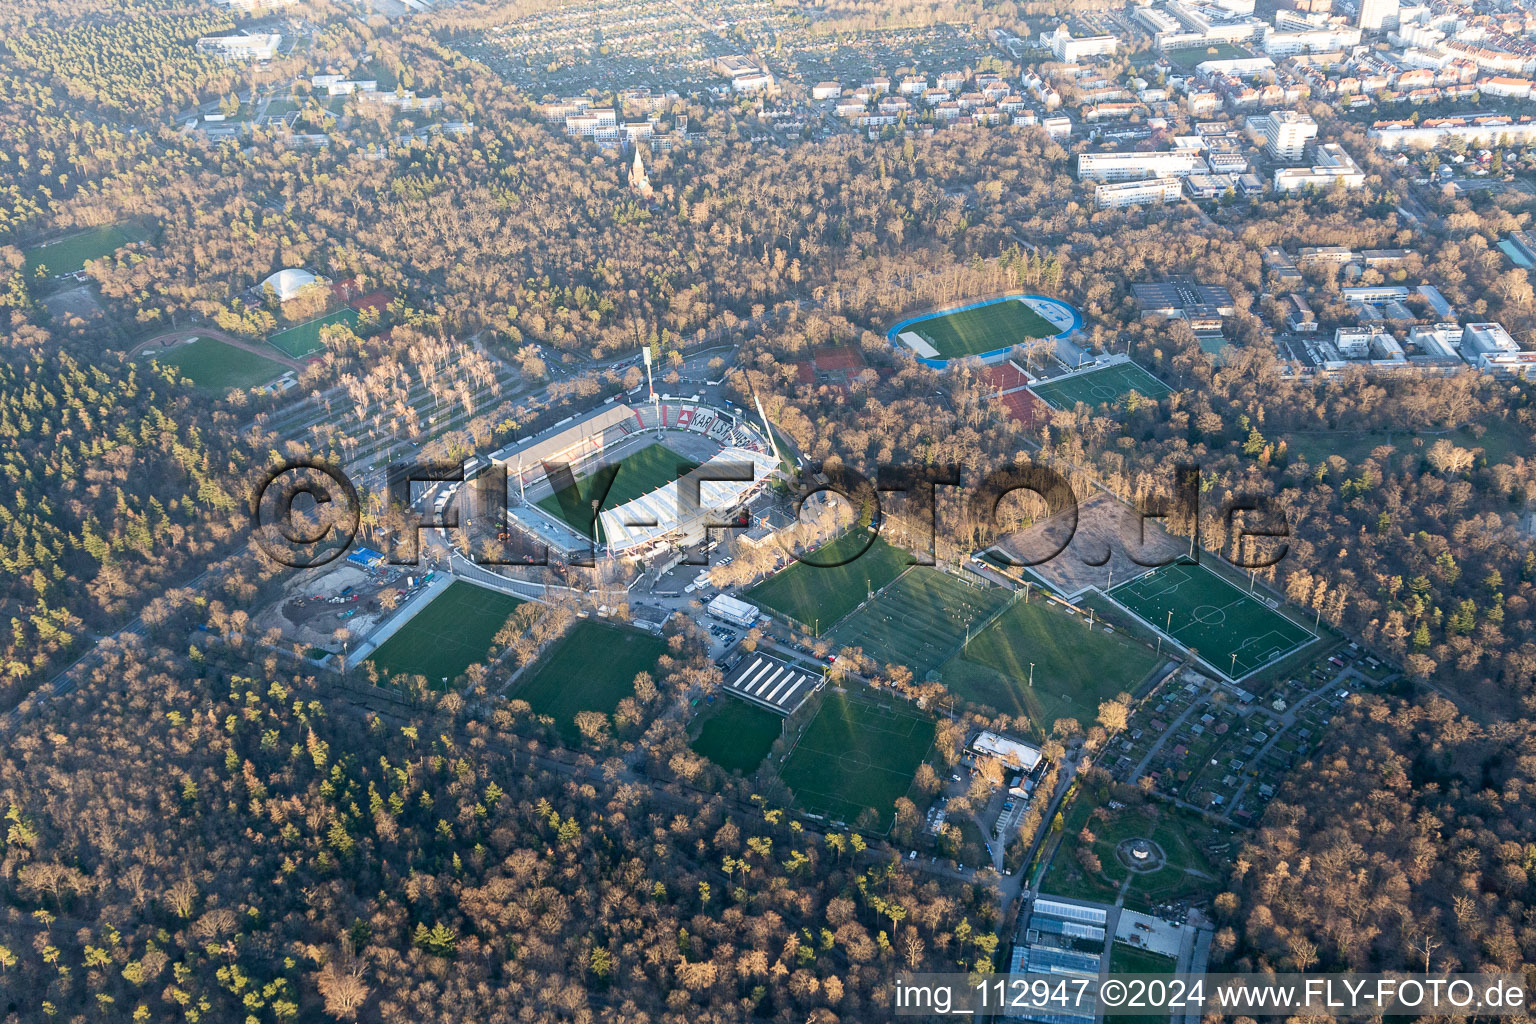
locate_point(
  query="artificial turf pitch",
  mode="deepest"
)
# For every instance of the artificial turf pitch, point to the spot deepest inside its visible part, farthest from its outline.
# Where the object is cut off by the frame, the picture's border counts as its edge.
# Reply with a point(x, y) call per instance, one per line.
point(1075, 668)
point(304, 339)
point(1095, 387)
point(640, 473)
point(737, 735)
point(213, 364)
point(451, 633)
point(996, 325)
point(919, 620)
point(1224, 626)
point(857, 754)
point(591, 668)
point(818, 595)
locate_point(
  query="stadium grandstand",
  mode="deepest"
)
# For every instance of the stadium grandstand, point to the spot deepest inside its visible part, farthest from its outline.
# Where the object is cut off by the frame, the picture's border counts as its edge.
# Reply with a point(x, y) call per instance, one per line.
point(656, 445)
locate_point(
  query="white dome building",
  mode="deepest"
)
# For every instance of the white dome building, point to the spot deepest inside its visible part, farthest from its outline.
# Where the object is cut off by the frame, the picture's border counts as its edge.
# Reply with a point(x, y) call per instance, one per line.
point(288, 283)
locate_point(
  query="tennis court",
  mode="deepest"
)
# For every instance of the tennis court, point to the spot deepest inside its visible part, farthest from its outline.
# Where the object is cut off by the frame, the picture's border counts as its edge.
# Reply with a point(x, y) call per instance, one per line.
point(857, 755)
point(921, 619)
point(1229, 629)
point(304, 339)
point(452, 632)
point(1105, 385)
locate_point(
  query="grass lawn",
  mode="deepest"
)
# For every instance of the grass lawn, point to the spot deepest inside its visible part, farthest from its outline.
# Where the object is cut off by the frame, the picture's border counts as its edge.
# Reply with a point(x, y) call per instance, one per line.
point(818, 595)
point(639, 474)
point(737, 735)
point(68, 255)
point(1187, 871)
point(451, 633)
point(1127, 959)
point(210, 363)
point(999, 324)
point(304, 339)
point(1108, 384)
point(1500, 441)
point(919, 620)
point(1229, 629)
point(1075, 668)
point(857, 754)
point(591, 668)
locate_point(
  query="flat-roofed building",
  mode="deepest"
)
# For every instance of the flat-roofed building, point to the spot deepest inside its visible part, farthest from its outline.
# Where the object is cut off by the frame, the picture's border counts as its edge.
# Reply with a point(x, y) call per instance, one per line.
point(1129, 166)
point(1334, 167)
point(1109, 195)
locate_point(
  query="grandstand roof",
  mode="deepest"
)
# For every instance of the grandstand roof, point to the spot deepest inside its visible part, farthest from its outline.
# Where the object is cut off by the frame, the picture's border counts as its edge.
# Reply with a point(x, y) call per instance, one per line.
point(772, 683)
point(531, 451)
point(656, 514)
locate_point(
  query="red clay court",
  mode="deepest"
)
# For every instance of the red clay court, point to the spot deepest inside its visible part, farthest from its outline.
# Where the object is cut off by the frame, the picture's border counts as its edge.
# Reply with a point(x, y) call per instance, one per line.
point(844, 358)
point(1025, 407)
point(1005, 377)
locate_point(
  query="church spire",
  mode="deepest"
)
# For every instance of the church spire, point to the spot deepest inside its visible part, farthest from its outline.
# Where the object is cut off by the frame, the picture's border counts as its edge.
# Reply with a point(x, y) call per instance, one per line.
point(639, 182)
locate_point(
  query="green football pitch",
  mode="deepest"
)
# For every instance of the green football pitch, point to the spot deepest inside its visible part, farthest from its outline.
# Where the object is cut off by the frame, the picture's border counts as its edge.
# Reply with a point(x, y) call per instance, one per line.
point(1075, 668)
point(304, 339)
point(969, 332)
point(591, 668)
point(920, 620)
point(857, 754)
point(68, 255)
point(817, 596)
point(210, 363)
point(640, 473)
point(737, 735)
point(451, 633)
point(1106, 384)
point(1224, 626)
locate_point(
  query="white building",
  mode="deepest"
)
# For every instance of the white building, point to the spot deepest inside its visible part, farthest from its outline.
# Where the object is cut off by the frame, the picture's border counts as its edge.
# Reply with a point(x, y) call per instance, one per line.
point(752, 81)
point(826, 91)
point(735, 611)
point(1130, 166)
point(1286, 134)
point(1488, 347)
point(1015, 753)
point(247, 47)
point(1378, 15)
point(1111, 195)
point(1287, 43)
point(1333, 165)
point(1061, 43)
point(1481, 131)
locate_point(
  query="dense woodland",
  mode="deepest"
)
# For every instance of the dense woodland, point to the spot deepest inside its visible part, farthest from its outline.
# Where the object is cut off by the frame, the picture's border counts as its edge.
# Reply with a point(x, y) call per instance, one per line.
point(208, 833)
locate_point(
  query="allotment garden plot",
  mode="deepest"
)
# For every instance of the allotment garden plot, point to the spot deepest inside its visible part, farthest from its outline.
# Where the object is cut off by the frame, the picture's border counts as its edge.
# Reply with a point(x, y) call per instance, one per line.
point(857, 754)
point(921, 619)
point(1227, 628)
